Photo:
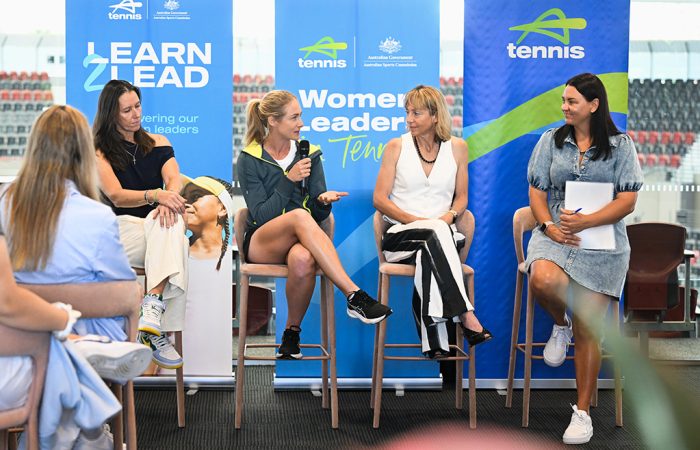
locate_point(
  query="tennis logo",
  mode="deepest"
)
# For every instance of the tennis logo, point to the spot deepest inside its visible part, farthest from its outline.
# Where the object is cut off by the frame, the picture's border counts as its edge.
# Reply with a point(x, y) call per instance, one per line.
point(553, 19)
point(328, 47)
point(128, 10)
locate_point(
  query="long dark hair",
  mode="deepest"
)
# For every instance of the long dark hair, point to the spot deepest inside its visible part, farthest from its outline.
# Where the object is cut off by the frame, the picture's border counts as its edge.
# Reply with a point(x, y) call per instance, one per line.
point(602, 125)
point(107, 137)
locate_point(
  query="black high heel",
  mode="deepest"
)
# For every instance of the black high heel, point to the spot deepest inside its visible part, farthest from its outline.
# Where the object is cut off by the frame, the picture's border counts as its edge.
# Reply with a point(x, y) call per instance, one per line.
point(475, 338)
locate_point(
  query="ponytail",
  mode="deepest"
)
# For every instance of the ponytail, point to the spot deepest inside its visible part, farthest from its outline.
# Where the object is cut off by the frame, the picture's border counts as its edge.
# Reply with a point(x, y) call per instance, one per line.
point(256, 127)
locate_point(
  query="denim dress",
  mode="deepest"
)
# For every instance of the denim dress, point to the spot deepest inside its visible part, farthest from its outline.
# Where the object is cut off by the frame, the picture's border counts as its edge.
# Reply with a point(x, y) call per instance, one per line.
point(549, 169)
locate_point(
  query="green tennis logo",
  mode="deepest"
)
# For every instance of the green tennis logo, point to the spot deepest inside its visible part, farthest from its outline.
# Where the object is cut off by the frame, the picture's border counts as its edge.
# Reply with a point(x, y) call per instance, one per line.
point(325, 46)
point(552, 19)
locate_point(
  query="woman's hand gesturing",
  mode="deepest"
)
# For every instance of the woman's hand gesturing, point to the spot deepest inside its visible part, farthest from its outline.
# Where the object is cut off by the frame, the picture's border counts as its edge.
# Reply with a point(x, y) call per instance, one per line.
point(331, 196)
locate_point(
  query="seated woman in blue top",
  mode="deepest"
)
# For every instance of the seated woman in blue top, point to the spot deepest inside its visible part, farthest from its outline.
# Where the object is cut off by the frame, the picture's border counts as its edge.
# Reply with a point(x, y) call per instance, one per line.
point(134, 166)
point(283, 224)
point(73, 240)
point(588, 147)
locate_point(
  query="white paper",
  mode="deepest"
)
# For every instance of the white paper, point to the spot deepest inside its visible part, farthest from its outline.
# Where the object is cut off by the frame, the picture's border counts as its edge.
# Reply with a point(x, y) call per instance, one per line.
point(591, 197)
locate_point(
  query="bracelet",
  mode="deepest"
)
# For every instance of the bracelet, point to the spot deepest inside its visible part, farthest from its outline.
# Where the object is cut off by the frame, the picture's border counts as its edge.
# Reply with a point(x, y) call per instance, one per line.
point(318, 199)
point(73, 316)
point(454, 213)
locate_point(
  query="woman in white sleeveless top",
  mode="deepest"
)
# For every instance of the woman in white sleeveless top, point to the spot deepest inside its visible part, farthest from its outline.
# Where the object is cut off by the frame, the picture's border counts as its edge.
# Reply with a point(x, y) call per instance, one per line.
point(422, 189)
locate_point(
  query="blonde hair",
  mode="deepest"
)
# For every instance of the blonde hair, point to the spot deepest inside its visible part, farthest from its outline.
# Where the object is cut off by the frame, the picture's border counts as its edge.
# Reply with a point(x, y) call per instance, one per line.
point(427, 97)
point(260, 110)
point(59, 148)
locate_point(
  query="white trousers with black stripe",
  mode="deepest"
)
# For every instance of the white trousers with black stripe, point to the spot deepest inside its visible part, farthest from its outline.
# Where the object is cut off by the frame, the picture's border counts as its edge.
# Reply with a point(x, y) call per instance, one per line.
point(439, 292)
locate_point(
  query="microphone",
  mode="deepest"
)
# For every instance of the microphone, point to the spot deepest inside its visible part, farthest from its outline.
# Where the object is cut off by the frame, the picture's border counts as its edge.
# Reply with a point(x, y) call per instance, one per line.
point(304, 153)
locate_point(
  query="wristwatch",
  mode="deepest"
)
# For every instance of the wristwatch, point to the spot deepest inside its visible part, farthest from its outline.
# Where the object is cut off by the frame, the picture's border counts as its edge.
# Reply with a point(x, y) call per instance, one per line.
point(544, 226)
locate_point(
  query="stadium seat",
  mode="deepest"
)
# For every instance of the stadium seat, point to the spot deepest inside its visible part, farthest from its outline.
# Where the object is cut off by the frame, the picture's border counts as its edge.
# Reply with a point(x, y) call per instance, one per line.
point(642, 137)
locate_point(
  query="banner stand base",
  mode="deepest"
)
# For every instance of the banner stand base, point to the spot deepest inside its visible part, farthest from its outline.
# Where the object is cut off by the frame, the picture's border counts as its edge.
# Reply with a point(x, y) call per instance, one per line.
point(191, 383)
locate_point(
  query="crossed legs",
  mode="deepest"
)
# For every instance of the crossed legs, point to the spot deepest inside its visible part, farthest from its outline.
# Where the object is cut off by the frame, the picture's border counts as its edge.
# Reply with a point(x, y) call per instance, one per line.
point(296, 239)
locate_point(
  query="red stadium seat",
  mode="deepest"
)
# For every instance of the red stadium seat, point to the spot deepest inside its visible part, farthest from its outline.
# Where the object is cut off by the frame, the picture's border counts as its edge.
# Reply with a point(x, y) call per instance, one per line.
point(450, 100)
point(665, 137)
point(457, 122)
point(689, 138)
point(4, 94)
point(236, 78)
point(633, 135)
point(642, 137)
point(15, 94)
point(43, 76)
point(642, 160)
point(48, 96)
point(675, 161)
point(651, 160)
point(654, 137)
point(664, 160)
point(677, 137)
point(38, 95)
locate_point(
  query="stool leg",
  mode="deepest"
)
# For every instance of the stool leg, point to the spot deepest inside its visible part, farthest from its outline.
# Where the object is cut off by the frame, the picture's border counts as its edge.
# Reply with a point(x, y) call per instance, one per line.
point(594, 395)
point(118, 421)
point(324, 343)
point(472, 369)
point(515, 330)
point(616, 371)
point(472, 388)
point(130, 415)
point(376, 343)
point(180, 383)
point(379, 350)
point(528, 358)
point(459, 369)
point(330, 311)
point(240, 367)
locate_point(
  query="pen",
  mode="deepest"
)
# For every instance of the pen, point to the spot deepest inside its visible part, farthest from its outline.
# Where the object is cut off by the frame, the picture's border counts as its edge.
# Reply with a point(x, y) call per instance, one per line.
point(578, 210)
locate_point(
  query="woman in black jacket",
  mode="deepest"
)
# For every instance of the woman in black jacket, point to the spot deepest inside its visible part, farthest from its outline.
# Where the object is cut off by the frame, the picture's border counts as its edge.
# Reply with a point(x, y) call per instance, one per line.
point(283, 222)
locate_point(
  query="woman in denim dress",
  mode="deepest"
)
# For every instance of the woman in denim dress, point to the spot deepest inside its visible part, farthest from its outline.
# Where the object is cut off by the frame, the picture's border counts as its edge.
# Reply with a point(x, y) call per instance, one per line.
point(588, 147)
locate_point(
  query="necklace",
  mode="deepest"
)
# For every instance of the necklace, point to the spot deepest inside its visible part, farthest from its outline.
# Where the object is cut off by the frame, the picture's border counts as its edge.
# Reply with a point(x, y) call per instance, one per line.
point(420, 155)
point(133, 155)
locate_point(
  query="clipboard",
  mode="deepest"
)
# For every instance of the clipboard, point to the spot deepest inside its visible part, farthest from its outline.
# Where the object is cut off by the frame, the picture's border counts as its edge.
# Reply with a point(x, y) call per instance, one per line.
point(591, 197)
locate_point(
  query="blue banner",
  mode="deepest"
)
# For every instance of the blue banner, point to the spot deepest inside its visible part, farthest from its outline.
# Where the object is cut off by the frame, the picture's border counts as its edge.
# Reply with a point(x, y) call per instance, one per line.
point(517, 57)
point(349, 62)
point(178, 52)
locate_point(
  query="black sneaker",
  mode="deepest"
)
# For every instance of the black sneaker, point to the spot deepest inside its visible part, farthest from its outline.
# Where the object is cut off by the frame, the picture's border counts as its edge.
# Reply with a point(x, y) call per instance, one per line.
point(367, 309)
point(290, 345)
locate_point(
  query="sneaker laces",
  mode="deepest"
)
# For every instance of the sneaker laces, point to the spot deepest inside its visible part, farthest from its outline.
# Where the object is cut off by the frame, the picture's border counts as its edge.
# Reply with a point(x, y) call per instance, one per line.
point(160, 342)
point(361, 299)
point(578, 417)
point(561, 336)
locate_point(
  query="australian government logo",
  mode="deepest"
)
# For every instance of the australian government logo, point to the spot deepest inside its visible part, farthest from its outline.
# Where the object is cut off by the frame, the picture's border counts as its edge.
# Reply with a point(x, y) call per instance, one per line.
point(171, 10)
point(390, 55)
point(125, 10)
point(323, 55)
point(553, 19)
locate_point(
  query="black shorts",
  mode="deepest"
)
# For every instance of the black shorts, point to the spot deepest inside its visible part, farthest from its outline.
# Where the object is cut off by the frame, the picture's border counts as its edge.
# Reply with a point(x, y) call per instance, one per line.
point(246, 240)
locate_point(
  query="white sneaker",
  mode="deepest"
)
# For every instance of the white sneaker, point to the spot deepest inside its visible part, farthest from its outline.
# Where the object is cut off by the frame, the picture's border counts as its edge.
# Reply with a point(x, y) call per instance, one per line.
point(580, 429)
point(115, 361)
point(558, 344)
point(164, 353)
point(103, 441)
point(152, 309)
